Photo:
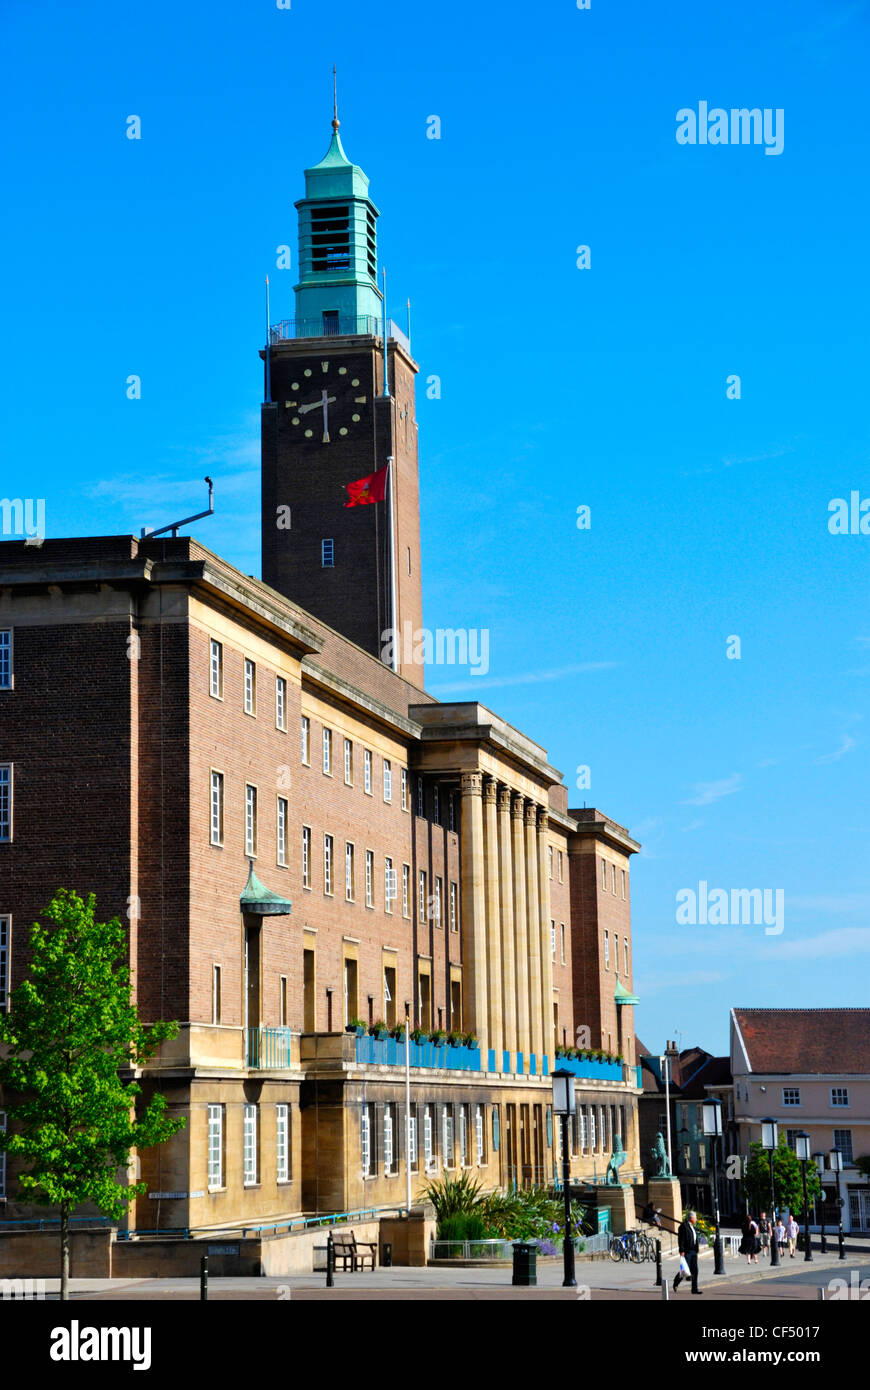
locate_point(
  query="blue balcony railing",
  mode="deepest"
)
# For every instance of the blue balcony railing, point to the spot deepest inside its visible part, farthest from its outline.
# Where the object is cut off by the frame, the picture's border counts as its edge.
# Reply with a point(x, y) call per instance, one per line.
point(589, 1069)
point(389, 1052)
point(268, 1048)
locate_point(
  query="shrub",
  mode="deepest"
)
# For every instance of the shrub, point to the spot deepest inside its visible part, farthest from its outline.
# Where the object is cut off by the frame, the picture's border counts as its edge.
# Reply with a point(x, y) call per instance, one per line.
point(463, 1225)
point(450, 1196)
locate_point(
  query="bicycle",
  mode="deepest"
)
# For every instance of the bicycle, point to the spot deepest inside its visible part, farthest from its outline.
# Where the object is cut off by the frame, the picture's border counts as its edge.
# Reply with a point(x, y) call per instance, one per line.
point(626, 1247)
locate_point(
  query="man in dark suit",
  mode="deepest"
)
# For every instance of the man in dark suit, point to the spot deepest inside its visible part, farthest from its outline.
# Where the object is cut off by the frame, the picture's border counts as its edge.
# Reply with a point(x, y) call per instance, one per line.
point(687, 1241)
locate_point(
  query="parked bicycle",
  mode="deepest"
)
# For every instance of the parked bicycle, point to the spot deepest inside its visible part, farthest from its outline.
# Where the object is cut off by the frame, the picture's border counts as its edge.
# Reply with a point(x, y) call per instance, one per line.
point(632, 1245)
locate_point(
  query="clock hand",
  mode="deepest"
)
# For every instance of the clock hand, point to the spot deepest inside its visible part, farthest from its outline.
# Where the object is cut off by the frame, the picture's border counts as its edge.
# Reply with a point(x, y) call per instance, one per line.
point(315, 405)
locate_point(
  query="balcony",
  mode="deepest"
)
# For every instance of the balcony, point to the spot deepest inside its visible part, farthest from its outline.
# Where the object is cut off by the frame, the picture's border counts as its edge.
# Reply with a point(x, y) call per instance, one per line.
point(591, 1070)
point(353, 325)
point(389, 1052)
point(269, 1049)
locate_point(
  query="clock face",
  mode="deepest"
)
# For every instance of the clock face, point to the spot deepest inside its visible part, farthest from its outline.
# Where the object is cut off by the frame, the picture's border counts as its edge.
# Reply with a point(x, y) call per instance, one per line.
point(326, 402)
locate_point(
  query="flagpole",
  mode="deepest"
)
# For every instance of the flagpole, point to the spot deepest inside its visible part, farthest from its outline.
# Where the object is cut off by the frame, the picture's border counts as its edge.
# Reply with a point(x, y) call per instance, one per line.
point(268, 366)
point(384, 312)
point(393, 614)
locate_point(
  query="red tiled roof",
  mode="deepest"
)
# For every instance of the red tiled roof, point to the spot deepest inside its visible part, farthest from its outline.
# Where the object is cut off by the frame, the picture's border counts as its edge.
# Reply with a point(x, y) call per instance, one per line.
point(826, 1041)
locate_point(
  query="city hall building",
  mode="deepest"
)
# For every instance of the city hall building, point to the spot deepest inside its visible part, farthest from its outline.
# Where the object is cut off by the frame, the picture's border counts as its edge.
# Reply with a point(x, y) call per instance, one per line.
point(302, 842)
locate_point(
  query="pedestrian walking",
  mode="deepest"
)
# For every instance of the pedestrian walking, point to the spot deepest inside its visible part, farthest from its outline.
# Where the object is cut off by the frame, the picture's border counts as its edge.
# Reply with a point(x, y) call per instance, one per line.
point(791, 1231)
point(779, 1234)
point(687, 1243)
point(764, 1230)
point(750, 1243)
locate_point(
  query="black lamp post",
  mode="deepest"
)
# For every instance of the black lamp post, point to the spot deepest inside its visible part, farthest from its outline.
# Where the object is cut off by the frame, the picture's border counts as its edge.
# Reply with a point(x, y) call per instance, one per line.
point(835, 1162)
point(820, 1164)
point(769, 1141)
point(564, 1106)
point(802, 1151)
point(712, 1114)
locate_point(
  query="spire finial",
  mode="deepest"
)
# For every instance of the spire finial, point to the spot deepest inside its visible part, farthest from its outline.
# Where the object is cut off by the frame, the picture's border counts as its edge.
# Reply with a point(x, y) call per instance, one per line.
point(335, 121)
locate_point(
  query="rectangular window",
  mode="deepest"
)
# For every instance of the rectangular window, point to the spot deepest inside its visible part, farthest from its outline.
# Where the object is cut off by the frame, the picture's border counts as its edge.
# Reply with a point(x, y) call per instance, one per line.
point(406, 889)
point(306, 856)
point(250, 1146)
point(367, 1132)
point(348, 762)
point(281, 832)
point(250, 687)
point(412, 1137)
point(389, 1135)
point(561, 861)
point(839, 1094)
point(370, 878)
point(216, 670)
point(553, 938)
point(479, 1149)
point(550, 859)
point(606, 950)
point(282, 1143)
point(428, 1150)
point(447, 1157)
point(463, 1136)
point(451, 811)
point(367, 772)
point(439, 888)
point(390, 885)
point(327, 752)
point(616, 952)
point(215, 1146)
point(215, 994)
point(843, 1142)
point(791, 1095)
point(348, 872)
point(613, 878)
point(603, 876)
point(5, 801)
point(217, 807)
point(327, 865)
point(436, 804)
point(404, 789)
point(420, 801)
point(562, 941)
point(327, 554)
point(306, 739)
point(421, 905)
point(281, 703)
point(5, 932)
point(282, 1000)
point(388, 780)
point(623, 894)
point(250, 820)
point(454, 922)
point(2, 1156)
point(625, 961)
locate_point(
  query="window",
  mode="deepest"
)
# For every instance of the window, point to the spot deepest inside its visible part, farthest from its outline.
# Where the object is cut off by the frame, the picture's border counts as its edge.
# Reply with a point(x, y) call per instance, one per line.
point(439, 888)
point(327, 554)
point(348, 762)
point(250, 687)
point(389, 1134)
point(327, 864)
point(436, 804)
point(843, 1142)
point(603, 876)
point(613, 878)
point(281, 832)
point(216, 669)
point(625, 954)
point(5, 932)
point(215, 994)
point(388, 780)
point(390, 995)
point(390, 886)
point(839, 1094)
point(454, 925)
point(420, 801)
point(215, 1146)
point(404, 789)
point(616, 952)
point(327, 752)
point(606, 950)
point(463, 1136)
point(790, 1136)
point(412, 1137)
point(348, 872)
point(428, 1155)
point(281, 703)
point(6, 801)
point(367, 779)
point(217, 808)
point(479, 1152)
point(282, 1145)
point(282, 1000)
point(306, 739)
point(2, 1156)
point(306, 856)
point(451, 811)
point(447, 1157)
point(406, 890)
point(623, 883)
point(250, 1164)
point(367, 1131)
point(552, 938)
point(561, 860)
point(370, 878)
point(791, 1095)
point(562, 941)
point(250, 820)
point(421, 914)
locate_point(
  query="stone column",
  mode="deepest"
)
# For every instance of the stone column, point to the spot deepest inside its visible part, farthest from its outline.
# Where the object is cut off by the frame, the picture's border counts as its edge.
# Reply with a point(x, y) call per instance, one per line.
point(506, 908)
point(533, 918)
point(546, 948)
point(521, 929)
point(493, 921)
point(473, 907)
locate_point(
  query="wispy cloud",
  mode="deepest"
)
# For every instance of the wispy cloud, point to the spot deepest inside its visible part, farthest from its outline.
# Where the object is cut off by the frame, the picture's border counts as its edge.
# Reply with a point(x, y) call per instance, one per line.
point(843, 941)
point(847, 743)
point(708, 792)
point(527, 678)
point(693, 825)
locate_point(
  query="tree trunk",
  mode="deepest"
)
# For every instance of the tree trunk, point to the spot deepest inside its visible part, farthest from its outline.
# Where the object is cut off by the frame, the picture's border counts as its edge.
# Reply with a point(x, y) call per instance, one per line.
point(64, 1251)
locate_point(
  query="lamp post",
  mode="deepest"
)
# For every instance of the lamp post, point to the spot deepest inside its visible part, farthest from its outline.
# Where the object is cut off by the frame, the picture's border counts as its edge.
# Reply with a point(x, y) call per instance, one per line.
point(835, 1162)
point(564, 1106)
point(769, 1141)
point(802, 1151)
point(712, 1115)
point(820, 1164)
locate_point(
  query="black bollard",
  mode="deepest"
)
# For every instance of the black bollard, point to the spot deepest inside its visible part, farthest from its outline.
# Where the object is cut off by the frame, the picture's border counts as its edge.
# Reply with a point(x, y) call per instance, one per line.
point(658, 1264)
point(330, 1262)
point(203, 1278)
point(841, 1240)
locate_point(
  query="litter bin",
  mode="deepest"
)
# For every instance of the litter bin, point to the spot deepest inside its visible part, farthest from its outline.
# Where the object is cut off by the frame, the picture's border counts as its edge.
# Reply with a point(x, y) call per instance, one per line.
point(525, 1263)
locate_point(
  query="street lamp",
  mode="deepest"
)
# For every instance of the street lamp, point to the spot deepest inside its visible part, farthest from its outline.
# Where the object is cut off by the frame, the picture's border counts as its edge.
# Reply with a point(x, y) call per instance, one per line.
point(835, 1161)
point(564, 1106)
point(769, 1140)
point(802, 1152)
point(820, 1164)
point(712, 1115)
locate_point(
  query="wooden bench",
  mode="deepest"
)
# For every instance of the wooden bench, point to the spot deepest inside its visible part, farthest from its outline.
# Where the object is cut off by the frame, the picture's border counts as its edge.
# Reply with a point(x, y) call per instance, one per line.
point(353, 1254)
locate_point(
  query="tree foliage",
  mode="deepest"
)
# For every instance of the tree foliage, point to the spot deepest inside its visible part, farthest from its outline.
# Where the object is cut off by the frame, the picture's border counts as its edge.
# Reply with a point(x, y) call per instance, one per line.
point(787, 1181)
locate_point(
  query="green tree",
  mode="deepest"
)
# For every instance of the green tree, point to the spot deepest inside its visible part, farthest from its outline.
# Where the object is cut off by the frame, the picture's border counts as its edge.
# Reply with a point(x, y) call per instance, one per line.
point(71, 1033)
point(787, 1181)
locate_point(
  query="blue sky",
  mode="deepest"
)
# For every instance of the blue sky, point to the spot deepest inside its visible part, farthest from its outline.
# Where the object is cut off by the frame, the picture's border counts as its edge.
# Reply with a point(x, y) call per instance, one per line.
point(560, 387)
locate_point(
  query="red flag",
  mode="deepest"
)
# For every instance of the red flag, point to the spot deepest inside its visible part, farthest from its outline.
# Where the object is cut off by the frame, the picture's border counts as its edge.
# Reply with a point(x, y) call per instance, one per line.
point(370, 489)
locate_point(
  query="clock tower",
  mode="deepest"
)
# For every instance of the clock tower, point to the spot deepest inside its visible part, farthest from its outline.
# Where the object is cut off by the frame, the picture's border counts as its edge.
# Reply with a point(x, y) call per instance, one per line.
point(340, 406)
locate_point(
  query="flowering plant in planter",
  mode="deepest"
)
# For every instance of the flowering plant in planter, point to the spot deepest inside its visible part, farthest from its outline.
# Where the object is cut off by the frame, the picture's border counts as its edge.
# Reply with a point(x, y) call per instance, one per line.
point(437, 1036)
point(454, 1039)
point(356, 1025)
point(419, 1035)
point(469, 1040)
point(379, 1029)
